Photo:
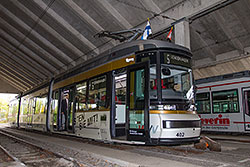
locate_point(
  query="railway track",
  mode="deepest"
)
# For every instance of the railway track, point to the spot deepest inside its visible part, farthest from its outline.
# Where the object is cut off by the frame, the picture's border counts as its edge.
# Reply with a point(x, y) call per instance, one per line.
point(82, 159)
point(5, 158)
point(27, 154)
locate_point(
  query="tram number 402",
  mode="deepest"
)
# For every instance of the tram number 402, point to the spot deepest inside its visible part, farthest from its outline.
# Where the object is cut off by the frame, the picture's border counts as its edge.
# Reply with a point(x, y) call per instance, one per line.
point(180, 134)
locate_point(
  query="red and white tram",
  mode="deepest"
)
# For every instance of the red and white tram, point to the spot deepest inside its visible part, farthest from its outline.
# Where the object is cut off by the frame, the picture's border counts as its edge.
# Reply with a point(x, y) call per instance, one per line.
point(223, 102)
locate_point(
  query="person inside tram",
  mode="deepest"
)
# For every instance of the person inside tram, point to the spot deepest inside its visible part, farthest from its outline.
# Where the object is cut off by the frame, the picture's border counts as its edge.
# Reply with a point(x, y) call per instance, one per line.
point(65, 103)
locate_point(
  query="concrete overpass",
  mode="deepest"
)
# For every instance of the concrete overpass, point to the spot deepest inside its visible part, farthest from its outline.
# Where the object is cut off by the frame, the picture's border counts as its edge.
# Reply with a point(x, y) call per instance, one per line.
point(41, 39)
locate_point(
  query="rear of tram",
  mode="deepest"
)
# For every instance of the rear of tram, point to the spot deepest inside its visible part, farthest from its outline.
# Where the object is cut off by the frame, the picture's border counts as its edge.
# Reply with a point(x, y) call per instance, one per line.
point(162, 114)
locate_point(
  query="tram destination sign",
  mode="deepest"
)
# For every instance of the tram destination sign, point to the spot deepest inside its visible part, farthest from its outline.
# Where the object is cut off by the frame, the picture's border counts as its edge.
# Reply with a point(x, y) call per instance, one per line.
point(169, 58)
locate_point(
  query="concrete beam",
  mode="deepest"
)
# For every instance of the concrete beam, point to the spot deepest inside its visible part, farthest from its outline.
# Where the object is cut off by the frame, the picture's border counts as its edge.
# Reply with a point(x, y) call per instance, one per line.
point(51, 59)
point(13, 81)
point(209, 50)
point(37, 35)
point(151, 6)
point(236, 65)
point(240, 13)
point(20, 62)
point(52, 70)
point(83, 15)
point(119, 18)
point(184, 9)
point(53, 33)
point(223, 58)
point(15, 76)
point(222, 22)
point(67, 26)
point(6, 87)
point(21, 70)
point(17, 70)
point(9, 81)
point(24, 59)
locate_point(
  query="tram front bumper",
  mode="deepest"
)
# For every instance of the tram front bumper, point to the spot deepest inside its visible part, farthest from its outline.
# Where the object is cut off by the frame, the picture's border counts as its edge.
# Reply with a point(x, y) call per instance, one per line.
point(174, 141)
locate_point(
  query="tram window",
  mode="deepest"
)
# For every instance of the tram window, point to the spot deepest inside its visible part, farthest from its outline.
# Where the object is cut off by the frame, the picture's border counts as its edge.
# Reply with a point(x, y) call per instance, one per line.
point(24, 106)
point(54, 106)
point(175, 82)
point(81, 103)
point(225, 101)
point(247, 102)
point(41, 104)
point(153, 82)
point(120, 89)
point(203, 103)
point(137, 91)
point(148, 56)
point(32, 105)
point(186, 83)
point(97, 93)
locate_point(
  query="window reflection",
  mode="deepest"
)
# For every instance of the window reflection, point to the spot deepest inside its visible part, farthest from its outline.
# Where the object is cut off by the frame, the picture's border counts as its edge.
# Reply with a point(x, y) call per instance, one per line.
point(175, 83)
point(203, 103)
point(120, 89)
point(81, 103)
point(153, 82)
point(97, 93)
point(225, 101)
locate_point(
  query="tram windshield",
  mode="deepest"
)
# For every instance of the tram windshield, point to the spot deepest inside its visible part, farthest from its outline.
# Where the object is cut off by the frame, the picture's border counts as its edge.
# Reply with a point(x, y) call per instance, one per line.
point(175, 83)
point(175, 76)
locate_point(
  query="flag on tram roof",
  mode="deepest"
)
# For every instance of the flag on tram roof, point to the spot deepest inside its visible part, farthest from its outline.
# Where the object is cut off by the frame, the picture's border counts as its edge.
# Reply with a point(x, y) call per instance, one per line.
point(169, 37)
point(147, 31)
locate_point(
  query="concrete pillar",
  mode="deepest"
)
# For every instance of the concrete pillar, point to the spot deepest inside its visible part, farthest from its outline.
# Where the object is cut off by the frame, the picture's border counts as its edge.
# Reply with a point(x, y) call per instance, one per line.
point(182, 34)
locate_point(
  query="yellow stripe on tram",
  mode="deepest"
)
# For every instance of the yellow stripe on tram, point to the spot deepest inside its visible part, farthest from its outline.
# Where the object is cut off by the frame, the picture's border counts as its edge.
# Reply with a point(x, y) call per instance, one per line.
point(170, 112)
point(94, 110)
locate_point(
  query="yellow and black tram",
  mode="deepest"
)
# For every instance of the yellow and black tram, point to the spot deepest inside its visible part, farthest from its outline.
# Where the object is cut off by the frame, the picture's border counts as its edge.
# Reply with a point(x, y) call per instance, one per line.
point(138, 92)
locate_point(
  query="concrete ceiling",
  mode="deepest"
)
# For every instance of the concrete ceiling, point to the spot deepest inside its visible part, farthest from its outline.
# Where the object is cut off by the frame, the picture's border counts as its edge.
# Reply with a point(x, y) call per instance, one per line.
point(40, 39)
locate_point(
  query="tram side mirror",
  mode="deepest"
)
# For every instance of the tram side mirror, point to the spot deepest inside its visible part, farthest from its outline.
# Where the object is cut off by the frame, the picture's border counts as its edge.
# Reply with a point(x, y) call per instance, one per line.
point(166, 71)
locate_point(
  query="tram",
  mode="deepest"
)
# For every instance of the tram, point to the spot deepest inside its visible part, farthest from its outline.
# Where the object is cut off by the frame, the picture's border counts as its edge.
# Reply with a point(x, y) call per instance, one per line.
point(140, 92)
point(223, 102)
point(13, 110)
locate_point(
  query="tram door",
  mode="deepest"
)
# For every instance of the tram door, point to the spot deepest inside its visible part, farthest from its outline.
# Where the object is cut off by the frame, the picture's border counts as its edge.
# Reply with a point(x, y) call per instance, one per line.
point(137, 106)
point(67, 109)
point(246, 108)
point(31, 111)
point(55, 116)
point(120, 104)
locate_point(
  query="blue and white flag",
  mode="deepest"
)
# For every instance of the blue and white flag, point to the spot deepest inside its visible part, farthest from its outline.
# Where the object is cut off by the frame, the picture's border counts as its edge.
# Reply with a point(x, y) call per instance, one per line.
point(147, 31)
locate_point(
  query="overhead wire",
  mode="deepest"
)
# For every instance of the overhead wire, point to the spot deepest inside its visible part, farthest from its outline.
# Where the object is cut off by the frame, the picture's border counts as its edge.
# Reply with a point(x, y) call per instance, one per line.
point(150, 11)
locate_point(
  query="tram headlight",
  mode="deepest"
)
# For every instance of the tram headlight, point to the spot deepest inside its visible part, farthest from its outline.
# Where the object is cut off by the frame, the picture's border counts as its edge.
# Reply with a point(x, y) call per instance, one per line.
point(167, 124)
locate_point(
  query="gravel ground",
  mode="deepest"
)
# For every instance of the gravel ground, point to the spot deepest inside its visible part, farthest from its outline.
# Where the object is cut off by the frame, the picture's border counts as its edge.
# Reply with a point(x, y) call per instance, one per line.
point(82, 158)
point(31, 156)
point(4, 157)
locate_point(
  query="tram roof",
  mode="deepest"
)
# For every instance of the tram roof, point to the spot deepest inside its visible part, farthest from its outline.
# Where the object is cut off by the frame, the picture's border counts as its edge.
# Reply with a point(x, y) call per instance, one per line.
point(223, 77)
point(148, 45)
